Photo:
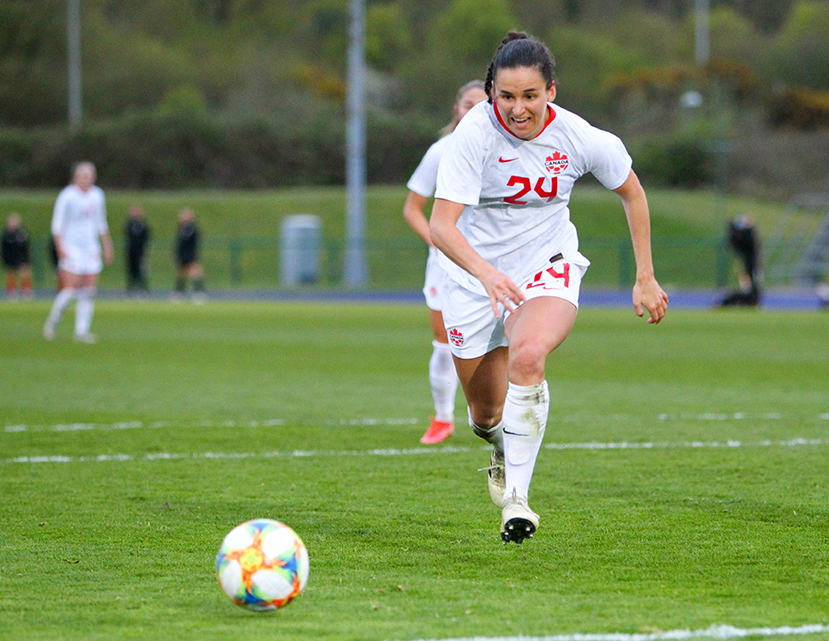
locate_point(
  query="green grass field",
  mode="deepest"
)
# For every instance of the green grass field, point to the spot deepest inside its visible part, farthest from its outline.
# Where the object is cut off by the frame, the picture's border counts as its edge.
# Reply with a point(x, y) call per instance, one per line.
point(673, 490)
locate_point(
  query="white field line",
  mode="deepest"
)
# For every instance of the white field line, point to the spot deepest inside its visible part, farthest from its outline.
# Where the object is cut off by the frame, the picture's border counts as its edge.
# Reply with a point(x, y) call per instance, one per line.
point(416, 451)
point(714, 632)
point(367, 422)
point(134, 425)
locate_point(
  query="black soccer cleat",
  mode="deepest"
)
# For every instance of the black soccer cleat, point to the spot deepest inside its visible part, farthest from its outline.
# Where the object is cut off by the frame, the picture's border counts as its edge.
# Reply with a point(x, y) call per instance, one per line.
point(517, 530)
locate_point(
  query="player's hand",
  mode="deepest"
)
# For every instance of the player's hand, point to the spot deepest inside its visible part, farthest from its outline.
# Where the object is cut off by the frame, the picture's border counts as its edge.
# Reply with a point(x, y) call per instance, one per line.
point(648, 295)
point(502, 290)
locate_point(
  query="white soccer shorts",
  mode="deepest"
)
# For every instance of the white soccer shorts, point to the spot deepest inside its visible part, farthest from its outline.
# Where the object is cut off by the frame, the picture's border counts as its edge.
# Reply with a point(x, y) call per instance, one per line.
point(433, 284)
point(471, 326)
point(81, 261)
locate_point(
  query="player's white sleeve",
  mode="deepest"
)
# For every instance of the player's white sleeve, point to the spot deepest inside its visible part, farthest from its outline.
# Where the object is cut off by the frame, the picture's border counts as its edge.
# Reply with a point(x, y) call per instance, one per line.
point(424, 179)
point(608, 160)
point(460, 176)
point(103, 227)
point(59, 214)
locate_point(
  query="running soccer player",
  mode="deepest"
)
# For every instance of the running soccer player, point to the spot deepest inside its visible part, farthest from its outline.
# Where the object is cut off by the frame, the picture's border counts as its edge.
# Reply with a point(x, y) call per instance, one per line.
point(511, 255)
point(442, 377)
point(83, 244)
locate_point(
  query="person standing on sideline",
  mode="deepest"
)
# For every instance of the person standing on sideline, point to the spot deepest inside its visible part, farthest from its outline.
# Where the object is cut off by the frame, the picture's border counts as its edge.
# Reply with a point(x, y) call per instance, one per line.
point(15, 253)
point(442, 376)
point(511, 254)
point(83, 244)
point(137, 233)
point(187, 257)
point(745, 241)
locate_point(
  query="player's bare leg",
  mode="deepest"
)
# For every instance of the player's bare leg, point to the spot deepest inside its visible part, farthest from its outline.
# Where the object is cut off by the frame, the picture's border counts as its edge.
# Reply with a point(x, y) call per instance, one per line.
point(484, 382)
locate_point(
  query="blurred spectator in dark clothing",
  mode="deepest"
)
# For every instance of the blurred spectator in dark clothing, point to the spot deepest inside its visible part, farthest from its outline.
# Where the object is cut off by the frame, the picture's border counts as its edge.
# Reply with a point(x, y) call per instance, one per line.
point(137, 233)
point(187, 257)
point(15, 253)
point(744, 240)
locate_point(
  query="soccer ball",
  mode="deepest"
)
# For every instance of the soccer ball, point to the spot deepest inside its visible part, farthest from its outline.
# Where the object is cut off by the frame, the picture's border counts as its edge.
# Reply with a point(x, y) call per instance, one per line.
point(262, 565)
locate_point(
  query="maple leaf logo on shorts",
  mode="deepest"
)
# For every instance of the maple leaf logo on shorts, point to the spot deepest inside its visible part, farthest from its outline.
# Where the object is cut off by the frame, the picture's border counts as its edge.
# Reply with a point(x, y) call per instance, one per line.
point(456, 337)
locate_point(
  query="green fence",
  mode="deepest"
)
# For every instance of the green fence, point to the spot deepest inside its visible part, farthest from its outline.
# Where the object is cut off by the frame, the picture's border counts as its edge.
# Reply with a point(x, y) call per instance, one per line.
point(398, 263)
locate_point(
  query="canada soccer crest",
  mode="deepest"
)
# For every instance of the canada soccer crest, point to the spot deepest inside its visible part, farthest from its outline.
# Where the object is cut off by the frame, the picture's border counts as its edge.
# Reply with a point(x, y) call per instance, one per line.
point(557, 163)
point(456, 337)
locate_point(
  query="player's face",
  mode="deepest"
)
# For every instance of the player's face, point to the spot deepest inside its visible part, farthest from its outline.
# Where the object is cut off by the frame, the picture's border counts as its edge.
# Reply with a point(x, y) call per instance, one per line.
point(85, 177)
point(521, 97)
point(468, 100)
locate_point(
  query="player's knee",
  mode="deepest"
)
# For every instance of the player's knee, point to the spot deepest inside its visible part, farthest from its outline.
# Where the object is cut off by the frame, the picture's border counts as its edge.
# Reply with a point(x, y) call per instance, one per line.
point(483, 419)
point(526, 361)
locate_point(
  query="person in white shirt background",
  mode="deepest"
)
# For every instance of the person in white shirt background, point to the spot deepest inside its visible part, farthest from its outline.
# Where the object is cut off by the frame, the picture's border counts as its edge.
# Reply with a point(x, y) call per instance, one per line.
point(84, 245)
point(502, 222)
point(442, 377)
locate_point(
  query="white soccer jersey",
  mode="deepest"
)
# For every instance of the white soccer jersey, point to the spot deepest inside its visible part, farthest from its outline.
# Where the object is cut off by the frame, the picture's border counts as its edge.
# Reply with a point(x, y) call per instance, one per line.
point(425, 177)
point(517, 191)
point(423, 182)
point(80, 218)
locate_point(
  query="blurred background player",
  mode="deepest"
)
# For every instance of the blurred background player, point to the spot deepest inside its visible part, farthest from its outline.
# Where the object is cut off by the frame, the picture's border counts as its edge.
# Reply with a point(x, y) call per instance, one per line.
point(15, 253)
point(83, 244)
point(137, 234)
point(745, 242)
point(187, 257)
point(512, 260)
point(442, 376)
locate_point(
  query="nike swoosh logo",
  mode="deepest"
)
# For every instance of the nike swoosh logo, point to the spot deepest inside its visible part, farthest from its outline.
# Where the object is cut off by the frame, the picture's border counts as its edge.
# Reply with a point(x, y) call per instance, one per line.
point(514, 433)
point(502, 159)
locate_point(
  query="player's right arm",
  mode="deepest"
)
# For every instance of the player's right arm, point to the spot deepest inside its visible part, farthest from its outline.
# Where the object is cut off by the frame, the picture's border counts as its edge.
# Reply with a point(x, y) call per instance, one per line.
point(413, 213)
point(58, 221)
point(448, 238)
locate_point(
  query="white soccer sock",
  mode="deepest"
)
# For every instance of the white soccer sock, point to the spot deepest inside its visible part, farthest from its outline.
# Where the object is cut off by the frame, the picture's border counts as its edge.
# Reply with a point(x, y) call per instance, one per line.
point(525, 419)
point(62, 300)
point(444, 382)
point(84, 309)
point(494, 435)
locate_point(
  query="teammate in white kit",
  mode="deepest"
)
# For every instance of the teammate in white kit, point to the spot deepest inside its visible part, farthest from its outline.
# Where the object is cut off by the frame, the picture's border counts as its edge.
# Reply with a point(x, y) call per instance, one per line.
point(83, 243)
point(442, 377)
point(511, 254)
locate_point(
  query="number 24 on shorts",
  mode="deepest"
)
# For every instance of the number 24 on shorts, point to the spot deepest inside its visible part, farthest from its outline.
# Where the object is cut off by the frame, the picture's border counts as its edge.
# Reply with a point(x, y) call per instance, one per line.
point(551, 279)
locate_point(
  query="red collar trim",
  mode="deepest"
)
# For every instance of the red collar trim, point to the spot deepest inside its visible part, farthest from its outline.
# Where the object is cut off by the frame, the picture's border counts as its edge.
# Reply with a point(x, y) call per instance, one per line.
point(551, 115)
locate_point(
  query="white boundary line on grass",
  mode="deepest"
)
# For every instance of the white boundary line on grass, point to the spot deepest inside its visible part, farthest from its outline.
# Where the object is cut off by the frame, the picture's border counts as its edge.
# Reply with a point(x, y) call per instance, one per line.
point(168, 456)
point(361, 422)
point(134, 425)
point(714, 632)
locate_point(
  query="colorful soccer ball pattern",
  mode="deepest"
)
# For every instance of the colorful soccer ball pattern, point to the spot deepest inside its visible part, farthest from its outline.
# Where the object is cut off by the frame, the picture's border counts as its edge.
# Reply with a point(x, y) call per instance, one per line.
point(262, 565)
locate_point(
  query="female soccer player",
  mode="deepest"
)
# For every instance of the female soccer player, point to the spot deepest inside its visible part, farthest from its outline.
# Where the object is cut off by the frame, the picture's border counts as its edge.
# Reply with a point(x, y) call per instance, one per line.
point(81, 234)
point(512, 259)
point(442, 376)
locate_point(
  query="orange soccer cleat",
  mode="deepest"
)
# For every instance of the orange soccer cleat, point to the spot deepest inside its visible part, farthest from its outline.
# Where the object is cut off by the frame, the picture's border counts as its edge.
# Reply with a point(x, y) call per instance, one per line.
point(438, 431)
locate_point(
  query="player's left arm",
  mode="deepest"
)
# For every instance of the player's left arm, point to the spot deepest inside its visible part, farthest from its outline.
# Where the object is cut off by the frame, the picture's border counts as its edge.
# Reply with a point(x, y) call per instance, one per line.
point(647, 293)
point(106, 245)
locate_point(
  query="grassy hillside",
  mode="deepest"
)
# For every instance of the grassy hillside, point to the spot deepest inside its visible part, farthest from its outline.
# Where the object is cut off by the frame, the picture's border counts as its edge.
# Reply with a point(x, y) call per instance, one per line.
point(242, 230)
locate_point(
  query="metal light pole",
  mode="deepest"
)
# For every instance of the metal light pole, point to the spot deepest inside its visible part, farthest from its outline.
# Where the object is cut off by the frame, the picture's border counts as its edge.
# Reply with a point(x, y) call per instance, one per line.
point(702, 40)
point(356, 270)
point(73, 51)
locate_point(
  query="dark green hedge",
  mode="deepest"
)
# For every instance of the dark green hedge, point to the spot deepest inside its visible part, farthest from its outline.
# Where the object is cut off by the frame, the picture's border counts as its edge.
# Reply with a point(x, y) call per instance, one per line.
point(674, 161)
point(175, 151)
point(179, 151)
